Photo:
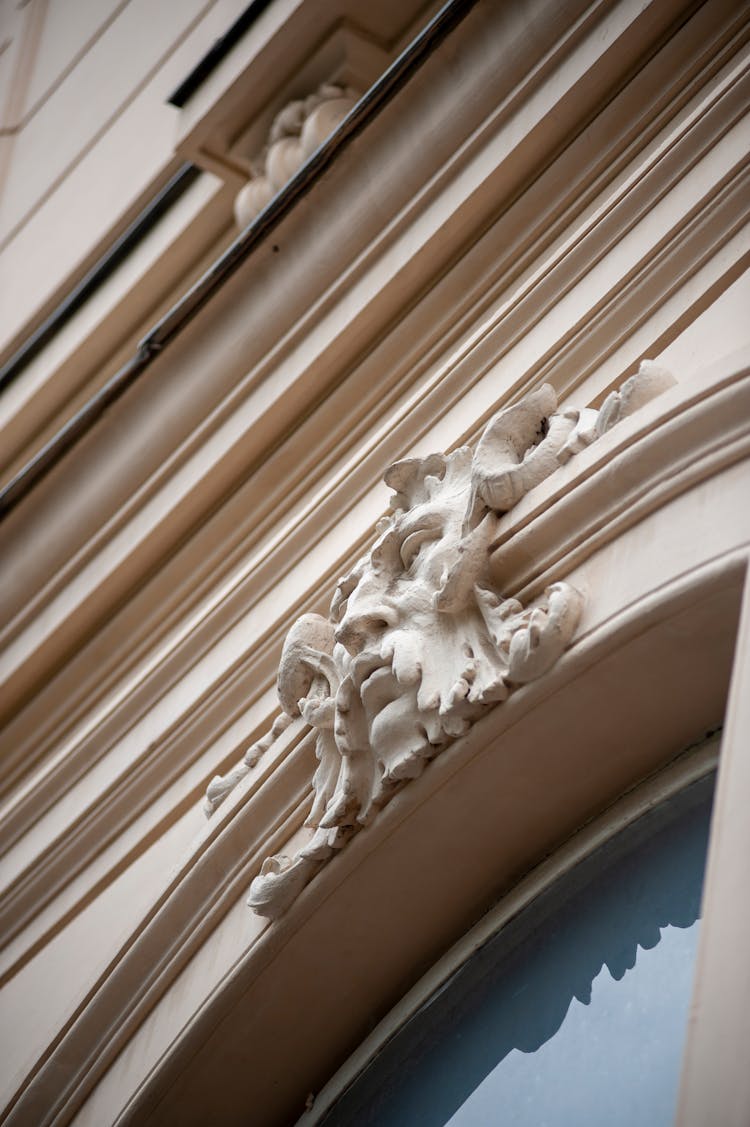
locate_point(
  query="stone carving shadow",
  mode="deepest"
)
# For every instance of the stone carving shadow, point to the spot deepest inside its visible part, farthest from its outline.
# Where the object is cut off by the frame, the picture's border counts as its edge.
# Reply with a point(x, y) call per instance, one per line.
point(516, 990)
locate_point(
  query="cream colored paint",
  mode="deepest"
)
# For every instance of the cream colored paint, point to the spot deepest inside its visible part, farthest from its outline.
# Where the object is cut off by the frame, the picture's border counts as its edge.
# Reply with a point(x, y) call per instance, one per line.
point(522, 359)
point(715, 1083)
point(613, 581)
point(45, 994)
point(719, 331)
point(69, 32)
point(150, 586)
point(133, 840)
point(168, 709)
point(88, 346)
point(444, 773)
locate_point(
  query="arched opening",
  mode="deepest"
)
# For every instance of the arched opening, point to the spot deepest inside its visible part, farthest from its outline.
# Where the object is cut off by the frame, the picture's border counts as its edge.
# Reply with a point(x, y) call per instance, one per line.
point(574, 1010)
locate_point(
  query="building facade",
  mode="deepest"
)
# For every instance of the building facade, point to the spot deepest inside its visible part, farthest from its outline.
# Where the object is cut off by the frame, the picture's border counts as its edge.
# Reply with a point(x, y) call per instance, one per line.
point(251, 258)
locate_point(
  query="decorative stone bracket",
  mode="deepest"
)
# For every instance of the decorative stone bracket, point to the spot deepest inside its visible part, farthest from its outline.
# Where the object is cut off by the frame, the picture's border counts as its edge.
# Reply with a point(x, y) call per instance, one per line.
point(419, 643)
point(296, 132)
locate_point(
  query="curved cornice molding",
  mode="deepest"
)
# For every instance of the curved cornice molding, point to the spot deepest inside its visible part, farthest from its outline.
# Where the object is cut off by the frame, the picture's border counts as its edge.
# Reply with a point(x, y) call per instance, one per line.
point(268, 807)
point(420, 642)
point(577, 302)
point(443, 852)
point(688, 434)
point(687, 769)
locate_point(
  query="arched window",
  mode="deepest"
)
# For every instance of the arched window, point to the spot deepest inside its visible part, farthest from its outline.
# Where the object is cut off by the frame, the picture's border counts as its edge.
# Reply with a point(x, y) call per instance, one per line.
point(574, 1011)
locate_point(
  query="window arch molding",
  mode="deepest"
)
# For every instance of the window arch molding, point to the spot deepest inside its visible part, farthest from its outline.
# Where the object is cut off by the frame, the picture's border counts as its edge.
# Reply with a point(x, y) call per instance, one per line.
point(677, 799)
point(647, 676)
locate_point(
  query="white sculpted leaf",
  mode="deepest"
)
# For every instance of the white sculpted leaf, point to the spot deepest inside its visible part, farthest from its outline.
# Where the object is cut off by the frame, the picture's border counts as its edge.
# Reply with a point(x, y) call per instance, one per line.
point(419, 643)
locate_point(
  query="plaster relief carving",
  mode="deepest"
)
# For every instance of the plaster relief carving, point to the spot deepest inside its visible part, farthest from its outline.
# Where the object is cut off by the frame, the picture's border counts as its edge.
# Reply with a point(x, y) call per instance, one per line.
point(419, 642)
point(221, 785)
point(295, 134)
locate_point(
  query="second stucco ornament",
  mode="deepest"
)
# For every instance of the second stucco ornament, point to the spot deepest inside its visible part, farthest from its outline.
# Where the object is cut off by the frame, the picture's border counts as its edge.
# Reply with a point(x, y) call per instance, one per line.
point(419, 643)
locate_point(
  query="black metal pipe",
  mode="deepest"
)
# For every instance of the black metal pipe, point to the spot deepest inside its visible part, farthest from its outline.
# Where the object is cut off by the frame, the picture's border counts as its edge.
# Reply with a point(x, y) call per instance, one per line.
point(186, 175)
point(182, 313)
point(218, 52)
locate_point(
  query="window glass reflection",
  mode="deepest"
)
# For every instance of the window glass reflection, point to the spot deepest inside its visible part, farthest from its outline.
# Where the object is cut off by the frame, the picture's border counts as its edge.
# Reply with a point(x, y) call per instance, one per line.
point(575, 1012)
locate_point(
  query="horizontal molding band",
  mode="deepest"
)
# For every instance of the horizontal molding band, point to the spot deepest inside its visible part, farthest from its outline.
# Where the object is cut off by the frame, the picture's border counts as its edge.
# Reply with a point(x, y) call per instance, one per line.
point(270, 942)
point(183, 179)
point(554, 296)
point(124, 796)
point(665, 449)
point(115, 807)
point(182, 314)
point(672, 449)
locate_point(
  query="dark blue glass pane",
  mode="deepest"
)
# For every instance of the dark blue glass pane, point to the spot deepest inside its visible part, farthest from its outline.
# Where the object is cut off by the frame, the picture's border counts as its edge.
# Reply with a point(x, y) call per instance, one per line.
point(575, 1012)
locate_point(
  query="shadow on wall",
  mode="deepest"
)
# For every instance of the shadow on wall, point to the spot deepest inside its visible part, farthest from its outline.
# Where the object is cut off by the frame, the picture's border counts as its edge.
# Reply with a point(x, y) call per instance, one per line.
point(616, 1055)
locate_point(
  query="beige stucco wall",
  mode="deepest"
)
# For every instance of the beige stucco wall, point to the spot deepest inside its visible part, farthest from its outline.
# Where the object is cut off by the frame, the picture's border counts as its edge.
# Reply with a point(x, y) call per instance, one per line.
point(553, 195)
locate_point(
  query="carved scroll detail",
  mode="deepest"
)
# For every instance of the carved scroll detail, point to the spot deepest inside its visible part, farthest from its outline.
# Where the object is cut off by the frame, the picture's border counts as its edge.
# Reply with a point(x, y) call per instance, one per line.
point(222, 785)
point(419, 643)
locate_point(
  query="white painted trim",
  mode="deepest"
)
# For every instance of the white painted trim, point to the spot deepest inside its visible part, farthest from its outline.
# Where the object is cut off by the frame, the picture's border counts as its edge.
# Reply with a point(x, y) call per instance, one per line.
point(715, 1078)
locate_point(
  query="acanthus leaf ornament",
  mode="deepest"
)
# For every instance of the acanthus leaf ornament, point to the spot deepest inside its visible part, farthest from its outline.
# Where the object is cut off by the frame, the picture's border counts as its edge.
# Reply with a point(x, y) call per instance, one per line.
point(419, 643)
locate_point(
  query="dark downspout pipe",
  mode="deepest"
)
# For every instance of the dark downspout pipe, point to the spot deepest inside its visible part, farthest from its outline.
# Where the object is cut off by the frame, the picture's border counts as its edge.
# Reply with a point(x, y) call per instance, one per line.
point(175, 187)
